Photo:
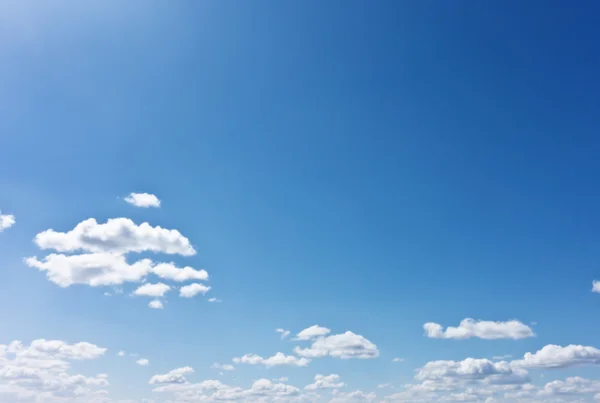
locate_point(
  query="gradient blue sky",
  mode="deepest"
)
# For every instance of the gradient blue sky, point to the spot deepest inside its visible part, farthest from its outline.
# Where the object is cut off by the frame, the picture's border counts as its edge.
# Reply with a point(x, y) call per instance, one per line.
point(364, 166)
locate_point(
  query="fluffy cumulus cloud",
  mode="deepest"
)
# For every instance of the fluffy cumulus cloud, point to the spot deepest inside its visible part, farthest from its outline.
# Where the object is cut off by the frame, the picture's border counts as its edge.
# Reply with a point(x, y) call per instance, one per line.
point(143, 362)
point(106, 269)
point(312, 332)
point(143, 200)
point(98, 254)
point(152, 290)
point(40, 372)
point(192, 290)
point(117, 235)
point(553, 356)
point(325, 382)
point(275, 360)
point(6, 221)
point(488, 330)
point(175, 376)
point(346, 345)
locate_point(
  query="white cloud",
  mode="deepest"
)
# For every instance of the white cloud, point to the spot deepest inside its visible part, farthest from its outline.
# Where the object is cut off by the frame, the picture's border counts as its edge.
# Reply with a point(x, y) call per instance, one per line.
point(213, 299)
point(487, 330)
point(325, 382)
point(596, 286)
point(553, 356)
point(38, 372)
point(6, 221)
point(398, 359)
point(117, 235)
point(121, 353)
point(346, 345)
point(502, 357)
point(312, 332)
point(155, 304)
point(143, 362)
point(275, 360)
point(143, 200)
point(284, 333)
point(470, 369)
point(171, 272)
point(152, 290)
point(192, 290)
point(223, 367)
point(103, 269)
point(176, 376)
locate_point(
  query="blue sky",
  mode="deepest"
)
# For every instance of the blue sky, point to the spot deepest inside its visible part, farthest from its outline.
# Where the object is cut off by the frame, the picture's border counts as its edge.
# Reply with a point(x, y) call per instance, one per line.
point(365, 167)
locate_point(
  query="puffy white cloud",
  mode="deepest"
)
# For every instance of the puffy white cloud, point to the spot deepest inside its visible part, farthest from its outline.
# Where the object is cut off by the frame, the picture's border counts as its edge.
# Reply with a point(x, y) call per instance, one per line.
point(155, 304)
point(6, 221)
point(284, 333)
point(38, 372)
point(104, 269)
point(346, 345)
point(275, 360)
point(117, 235)
point(192, 290)
point(176, 376)
point(468, 369)
point(94, 269)
point(143, 200)
point(152, 290)
point(325, 382)
point(596, 286)
point(312, 332)
point(553, 356)
point(223, 367)
point(143, 362)
point(171, 272)
point(487, 330)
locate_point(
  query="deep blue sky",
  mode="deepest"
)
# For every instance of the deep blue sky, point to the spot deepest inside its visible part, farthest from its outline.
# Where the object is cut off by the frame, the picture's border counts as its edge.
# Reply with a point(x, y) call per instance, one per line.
point(365, 166)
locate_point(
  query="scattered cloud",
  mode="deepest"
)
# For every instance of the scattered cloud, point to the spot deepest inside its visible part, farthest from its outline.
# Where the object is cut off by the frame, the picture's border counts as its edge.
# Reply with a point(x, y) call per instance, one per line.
point(152, 290)
point(349, 397)
point(176, 376)
point(553, 356)
point(284, 333)
point(40, 371)
point(487, 330)
point(213, 299)
point(398, 359)
point(223, 367)
point(155, 304)
point(143, 362)
point(121, 353)
point(171, 272)
point(345, 346)
point(502, 357)
point(596, 286)
point(6, 221)
point(143, 200)
point(275, 360)
point(325, 382)
point(312, 332)
point(192, 290)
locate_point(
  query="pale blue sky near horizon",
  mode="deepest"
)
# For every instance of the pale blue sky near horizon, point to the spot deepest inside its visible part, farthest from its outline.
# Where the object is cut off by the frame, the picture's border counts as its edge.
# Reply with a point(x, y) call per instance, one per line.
point(364, 166)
